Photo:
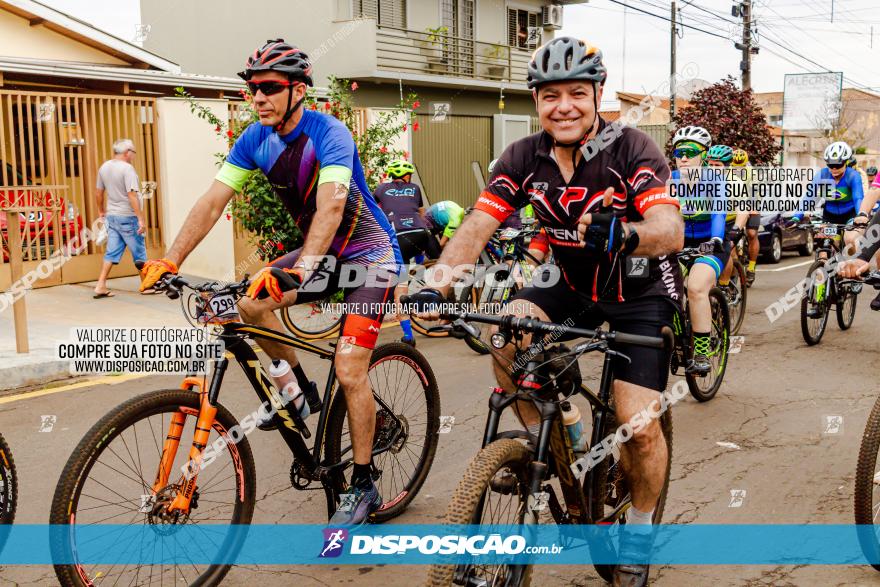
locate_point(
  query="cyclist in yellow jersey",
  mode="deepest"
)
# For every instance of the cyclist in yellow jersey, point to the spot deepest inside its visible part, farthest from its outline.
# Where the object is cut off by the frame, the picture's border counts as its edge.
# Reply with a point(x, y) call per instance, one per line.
point(741, 159)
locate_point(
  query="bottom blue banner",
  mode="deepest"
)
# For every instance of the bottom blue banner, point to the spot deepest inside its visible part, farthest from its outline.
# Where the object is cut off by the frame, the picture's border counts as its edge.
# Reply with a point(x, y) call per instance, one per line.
point(203, 544)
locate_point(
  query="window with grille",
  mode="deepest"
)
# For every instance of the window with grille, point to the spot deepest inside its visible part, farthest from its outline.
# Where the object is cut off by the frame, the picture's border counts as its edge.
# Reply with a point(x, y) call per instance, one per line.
point(519, 23)
point(391, 13)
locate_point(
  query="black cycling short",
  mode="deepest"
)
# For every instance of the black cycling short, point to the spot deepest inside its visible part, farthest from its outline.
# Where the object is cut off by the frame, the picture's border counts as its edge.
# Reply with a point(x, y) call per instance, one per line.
point(416, 242)
point(833, 218)
point(754, 221)
point(643, 315)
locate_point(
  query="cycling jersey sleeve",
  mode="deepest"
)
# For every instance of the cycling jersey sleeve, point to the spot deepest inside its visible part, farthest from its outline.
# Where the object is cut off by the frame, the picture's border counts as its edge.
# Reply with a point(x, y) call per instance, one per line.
point(868, 252)
point(857, 188)
point(647, 174)
point(335, 150)
point(719, 219)
point(504, 194)
point(240, 162)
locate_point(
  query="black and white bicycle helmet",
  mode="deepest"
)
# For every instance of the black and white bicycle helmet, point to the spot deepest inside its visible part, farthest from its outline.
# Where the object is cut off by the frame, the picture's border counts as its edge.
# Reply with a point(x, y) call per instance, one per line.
point(837, 153)
point(696, 134)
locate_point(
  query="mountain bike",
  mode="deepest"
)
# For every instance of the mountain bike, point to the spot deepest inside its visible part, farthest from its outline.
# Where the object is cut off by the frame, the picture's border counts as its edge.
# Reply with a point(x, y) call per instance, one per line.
point(513, 479)
point(824, 289)
point(736, 290)
point(8, 489)
point(702, 387)
point(123, 472)
point(512, 266)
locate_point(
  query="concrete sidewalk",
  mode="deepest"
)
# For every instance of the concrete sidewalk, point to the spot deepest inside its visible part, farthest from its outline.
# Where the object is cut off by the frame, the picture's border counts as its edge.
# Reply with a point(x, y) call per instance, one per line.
point(53, 311)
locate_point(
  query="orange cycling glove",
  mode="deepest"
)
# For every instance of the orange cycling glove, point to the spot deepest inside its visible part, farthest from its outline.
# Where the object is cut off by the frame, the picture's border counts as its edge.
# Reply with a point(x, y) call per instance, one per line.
point(154, 269)
point(264, 280)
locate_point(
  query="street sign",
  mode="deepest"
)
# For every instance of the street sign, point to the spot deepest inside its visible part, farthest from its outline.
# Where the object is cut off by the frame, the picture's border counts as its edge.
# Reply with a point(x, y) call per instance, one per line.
point(811, 101)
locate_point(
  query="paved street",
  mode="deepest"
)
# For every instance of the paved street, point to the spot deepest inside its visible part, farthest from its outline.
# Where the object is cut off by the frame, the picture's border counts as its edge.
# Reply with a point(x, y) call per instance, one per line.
point(773, 406)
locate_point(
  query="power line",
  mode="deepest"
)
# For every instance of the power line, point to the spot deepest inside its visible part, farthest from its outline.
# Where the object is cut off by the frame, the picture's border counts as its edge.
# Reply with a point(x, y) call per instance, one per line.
point(667, 19)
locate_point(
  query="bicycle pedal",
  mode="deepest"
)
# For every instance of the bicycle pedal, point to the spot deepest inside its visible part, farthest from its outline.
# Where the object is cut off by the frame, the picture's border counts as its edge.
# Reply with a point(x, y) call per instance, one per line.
point(694, 369)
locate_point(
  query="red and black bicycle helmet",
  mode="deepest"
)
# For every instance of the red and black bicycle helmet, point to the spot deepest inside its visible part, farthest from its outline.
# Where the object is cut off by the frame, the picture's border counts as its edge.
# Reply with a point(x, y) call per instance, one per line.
point(276, 55)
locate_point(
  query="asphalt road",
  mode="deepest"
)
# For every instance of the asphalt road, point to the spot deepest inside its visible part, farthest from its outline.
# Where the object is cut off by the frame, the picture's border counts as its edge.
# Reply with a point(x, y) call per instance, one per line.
point(773, 406)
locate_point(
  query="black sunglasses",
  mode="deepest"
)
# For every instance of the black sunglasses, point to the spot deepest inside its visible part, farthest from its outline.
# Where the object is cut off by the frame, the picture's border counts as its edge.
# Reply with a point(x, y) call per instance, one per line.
point(835, 165)
point(269, 87)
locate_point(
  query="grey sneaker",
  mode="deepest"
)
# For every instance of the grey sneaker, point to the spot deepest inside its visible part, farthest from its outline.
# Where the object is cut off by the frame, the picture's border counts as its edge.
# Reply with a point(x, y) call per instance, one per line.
point(355, 506)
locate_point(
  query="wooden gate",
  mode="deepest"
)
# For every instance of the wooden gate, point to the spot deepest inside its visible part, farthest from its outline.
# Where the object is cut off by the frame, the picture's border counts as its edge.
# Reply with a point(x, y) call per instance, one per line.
point(54, 139)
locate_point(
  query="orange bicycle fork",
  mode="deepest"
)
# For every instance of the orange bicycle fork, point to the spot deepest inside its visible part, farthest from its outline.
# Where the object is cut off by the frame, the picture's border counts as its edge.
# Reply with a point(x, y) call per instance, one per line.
point(204, 423)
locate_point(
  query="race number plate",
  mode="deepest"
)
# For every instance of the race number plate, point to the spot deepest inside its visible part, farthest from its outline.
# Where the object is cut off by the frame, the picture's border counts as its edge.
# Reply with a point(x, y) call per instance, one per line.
point(218, 309)
point(829, 230)
point(509, 234)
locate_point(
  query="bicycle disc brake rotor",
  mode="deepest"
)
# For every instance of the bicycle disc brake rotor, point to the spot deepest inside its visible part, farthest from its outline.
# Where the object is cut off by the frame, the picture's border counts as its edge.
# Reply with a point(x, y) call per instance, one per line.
point(159, 514)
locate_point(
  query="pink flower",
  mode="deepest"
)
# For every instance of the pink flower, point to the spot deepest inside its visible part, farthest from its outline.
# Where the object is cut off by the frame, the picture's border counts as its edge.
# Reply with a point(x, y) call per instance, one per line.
point(229, 133)
point(354, 86)
point(404, 128)
point(415, 126)
point(217, 128)
point(229, 217)
point(326, 105)
point(383, 150)
point(279, 246)
point(416, 104)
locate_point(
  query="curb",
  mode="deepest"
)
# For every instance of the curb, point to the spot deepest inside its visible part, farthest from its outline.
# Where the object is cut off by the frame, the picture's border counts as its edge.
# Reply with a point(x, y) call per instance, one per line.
point(35, 368)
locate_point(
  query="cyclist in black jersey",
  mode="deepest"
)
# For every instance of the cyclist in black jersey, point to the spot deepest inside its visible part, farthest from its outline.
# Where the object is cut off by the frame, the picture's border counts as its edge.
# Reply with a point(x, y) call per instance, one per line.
point(600, 193)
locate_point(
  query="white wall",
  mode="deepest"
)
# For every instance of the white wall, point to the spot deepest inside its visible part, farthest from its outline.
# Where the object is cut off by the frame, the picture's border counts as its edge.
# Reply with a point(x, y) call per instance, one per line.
point(187, 167)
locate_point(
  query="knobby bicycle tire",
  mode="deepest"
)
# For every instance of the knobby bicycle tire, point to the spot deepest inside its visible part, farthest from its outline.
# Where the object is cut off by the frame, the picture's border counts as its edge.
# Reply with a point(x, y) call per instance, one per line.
point(99, 437)
point(414, 360)
point(810, 338)
point(496, 456)
point(737, 320)
point(8, 489)
point(865, 484)
point(846, 308)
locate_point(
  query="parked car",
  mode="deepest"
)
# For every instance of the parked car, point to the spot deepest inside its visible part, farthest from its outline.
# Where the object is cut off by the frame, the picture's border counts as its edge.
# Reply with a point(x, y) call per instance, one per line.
point(775, 238)
point(37, 227)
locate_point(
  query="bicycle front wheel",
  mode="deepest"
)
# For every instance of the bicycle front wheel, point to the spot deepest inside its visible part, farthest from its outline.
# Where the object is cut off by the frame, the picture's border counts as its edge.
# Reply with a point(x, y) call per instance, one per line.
point(814, 305)
point(493, 490)
point(108, 480)
point(704, 388)
point(846, 305)
point(407, 422)
point(867, 490)
point(8, 488)
point(738, 294)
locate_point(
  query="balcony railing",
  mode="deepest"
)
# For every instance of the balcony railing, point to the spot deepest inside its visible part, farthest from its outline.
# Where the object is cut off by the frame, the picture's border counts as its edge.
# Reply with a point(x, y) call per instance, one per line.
point(444, 55)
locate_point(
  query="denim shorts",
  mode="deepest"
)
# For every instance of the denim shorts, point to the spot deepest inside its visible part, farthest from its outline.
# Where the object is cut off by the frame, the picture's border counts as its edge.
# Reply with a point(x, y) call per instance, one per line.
point(121, 233)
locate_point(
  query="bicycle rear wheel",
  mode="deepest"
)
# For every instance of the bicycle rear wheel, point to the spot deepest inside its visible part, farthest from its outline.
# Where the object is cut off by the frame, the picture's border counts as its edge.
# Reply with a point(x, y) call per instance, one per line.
point(610, 492)
point(108, 479)
point(407, 420)
point(846, 305)
point(476, 502)
point(704, 388)
point(312, 320)
point(867, 487)
point(814, 305)
point(738, 295)
point(8, 489)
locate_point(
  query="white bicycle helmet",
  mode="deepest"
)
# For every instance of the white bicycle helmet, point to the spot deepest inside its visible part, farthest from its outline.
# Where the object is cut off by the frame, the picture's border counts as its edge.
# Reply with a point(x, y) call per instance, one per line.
point(696, 134)
point(838, 153)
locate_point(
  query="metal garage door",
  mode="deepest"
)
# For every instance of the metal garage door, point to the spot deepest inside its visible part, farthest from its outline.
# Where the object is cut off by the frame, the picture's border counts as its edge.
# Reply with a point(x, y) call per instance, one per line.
point(443, 152)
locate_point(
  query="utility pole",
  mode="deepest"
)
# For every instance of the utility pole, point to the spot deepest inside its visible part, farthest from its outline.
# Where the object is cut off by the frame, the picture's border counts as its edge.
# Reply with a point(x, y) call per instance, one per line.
point(672, 71)
point(744, 10)
point(746, 64)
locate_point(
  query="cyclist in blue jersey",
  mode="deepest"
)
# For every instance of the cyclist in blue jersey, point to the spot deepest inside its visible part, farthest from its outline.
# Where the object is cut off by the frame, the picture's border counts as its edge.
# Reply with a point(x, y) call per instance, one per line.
point(312, 163)
point(847, 199)
point(690, 146)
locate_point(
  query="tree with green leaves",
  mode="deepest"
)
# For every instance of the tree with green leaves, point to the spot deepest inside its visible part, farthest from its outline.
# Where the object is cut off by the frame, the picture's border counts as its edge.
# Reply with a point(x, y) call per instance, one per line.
point(733, 118)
